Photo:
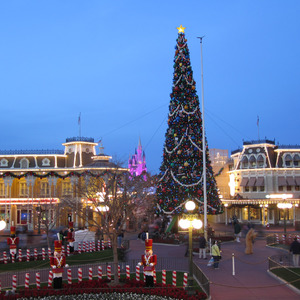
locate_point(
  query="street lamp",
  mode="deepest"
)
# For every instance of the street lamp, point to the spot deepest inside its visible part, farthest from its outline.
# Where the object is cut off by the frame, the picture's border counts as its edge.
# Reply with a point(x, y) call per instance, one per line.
point(190, 221)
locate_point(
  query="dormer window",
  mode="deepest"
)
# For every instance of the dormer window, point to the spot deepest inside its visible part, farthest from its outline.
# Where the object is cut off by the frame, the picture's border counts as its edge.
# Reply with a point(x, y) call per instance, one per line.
point(46, 162)
point(288, 160)
point(24, 163)
point(252, 161)
point(260, 161)
point(296, 160)
point(4, 162)
point(245, 162)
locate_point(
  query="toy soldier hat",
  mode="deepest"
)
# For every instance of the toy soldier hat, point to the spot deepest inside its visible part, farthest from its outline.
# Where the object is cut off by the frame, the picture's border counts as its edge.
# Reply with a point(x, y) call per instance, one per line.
point(57, 246)
point(12, 230)
point(148, 244)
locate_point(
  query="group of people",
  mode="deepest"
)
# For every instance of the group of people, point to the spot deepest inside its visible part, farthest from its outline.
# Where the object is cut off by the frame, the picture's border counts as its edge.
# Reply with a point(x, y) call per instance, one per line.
point(215, 251)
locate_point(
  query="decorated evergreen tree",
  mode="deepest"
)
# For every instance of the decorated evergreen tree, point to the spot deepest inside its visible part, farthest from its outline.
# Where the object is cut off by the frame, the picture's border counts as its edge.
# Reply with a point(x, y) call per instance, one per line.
point(181, 172)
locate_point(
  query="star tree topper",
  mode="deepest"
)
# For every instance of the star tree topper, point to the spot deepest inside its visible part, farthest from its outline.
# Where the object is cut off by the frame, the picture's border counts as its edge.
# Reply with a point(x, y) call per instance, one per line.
point(180, 29)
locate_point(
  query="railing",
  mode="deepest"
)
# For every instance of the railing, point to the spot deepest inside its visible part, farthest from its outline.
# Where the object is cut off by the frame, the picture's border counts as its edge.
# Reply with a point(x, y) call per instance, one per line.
point(201, 279)
point(79, 139)
point(280, 261)
point(10, 152)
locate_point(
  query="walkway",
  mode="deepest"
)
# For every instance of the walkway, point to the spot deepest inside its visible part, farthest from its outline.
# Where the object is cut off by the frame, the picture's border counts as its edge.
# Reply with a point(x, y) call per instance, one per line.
point(251, 280)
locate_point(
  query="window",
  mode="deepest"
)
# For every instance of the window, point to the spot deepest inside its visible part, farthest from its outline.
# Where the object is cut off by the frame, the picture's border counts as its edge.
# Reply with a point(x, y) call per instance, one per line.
point(66, 189)
point(24, 163)
point(44, 189)
point(288, 188)
point(4, 162)
point(244, 162)
point(252, 161)
point(2, 190)
point(260, 161)
point(280, 188)
point(262, 188)
point(24, 216)
point(296, 160)
point(23, 189)
point(288, 160)
point(246, 189)
point(254, 189)
point(46, 162)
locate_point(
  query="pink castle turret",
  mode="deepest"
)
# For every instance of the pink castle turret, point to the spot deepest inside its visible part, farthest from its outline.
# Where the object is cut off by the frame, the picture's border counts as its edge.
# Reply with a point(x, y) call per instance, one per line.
point(137, 163)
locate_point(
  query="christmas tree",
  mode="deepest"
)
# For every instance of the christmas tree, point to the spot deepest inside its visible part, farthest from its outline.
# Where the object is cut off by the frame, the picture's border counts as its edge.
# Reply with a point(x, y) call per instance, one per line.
point(181, 172)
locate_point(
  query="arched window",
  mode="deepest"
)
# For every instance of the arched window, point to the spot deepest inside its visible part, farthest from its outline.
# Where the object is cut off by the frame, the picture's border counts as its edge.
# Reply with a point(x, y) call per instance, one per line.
point(252, 161)
point(4, 162)
point(24, 163)
point(296, 160)
point(288, 160)
point(260, 161)
point(245, 162)
point(46, 162)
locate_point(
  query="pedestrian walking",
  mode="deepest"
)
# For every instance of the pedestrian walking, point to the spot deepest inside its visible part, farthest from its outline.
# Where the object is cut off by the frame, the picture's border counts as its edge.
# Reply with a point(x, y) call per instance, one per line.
point(202, 246)
point(215, 251)
point(295, 250)
point(237, 231)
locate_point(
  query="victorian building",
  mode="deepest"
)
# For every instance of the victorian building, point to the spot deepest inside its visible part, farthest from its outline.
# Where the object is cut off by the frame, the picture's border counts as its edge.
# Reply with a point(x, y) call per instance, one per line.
point(260, 183)
point(32, 183)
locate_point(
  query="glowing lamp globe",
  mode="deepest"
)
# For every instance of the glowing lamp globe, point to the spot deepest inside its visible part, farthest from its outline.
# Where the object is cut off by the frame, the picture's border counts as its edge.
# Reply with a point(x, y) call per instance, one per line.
point(184, 223)
point(2, 224)
point(197, 224)
point(190, 205)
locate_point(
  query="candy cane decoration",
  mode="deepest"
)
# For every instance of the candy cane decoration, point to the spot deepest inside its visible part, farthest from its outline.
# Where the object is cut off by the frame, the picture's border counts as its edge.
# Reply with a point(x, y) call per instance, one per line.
point(99, 272)
point(127, 271)
point(13, 258)
point(102, 245)
point(35, 254)
point(38, 280)
point(63, 250)
point(174, 278)
point(109, 272)
point(94, 246)
point(185, 278)
point(20, 255)
point(14, 282)
point(4, 257)
point(79, 275)
point(69, 276)
point(91, 246)
point(28, 255)
point(99, 245)
point(50, 278)
point(68, 250)
point(79, 248)
point(119, 271)
point(83, 247)
point(154, 276)
point(283, 239)
point(27, 281)
point(109, 244)
point(164, 277)
point(277, 238)
point(49, 252)
point(137, 273)
point(43, 253)
point(90, 273)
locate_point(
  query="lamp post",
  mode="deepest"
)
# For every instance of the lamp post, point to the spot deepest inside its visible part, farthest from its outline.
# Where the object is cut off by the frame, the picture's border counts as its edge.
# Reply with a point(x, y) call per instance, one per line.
point(282, 205)
point(190, 221)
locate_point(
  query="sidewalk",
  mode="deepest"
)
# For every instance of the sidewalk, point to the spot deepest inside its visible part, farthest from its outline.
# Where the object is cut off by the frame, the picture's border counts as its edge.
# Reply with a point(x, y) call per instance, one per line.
point(251, 280)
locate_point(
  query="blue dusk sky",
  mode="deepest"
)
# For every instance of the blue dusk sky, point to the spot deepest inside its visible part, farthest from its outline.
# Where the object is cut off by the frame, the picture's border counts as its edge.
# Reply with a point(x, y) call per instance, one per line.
point(112, 61)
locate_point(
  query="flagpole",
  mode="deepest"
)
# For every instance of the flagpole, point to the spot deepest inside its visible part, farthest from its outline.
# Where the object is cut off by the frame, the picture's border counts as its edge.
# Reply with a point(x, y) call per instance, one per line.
point(203, 147)
point(258, 126)
point(79, 124)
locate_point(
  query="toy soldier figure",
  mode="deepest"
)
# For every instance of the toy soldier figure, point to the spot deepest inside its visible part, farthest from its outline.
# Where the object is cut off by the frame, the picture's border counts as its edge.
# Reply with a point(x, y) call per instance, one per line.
point(13, 241)
point(71, 237)
point(149, 262)
point(57, 263)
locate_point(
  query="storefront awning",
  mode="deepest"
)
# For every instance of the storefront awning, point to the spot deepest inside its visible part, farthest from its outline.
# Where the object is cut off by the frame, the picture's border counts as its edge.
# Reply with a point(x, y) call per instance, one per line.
point(281, 181)
point(244, 182)
point(252, 181)
point(260, 181)
point(290, 181)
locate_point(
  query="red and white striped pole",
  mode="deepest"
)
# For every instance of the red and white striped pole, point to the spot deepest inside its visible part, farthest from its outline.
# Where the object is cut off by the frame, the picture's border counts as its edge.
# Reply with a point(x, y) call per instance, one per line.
point(154, 276)
point(28, 255)
point(13, 258)
point(38, 280)
point(79, 248)
point(99, 272)
point(14, 282)
point(20, 254)
point(185, 279)
point(49, 252)
point(83, 247)
point(102, 245)
point(35, 254)
point(90, 273)
point(109, 272)
point(43, 253)
point(91, 246)
point(69, 276)
point(174, 278)
point(127, 271)
point(277, 238)
point(137, 273)
point(68, 250)
point(94, 246)
point(79, 275)
point(283, 239)
point(164, 275)
point(63, 250)
point(99, 245)
point(27, 281)
point(119, 271)
point(50, 278)
point(109, 244)
point(4, 257)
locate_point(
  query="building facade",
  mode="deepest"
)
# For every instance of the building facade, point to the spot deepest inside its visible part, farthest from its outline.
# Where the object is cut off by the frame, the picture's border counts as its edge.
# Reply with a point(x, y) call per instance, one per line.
point(263, 183)
point(32, 183)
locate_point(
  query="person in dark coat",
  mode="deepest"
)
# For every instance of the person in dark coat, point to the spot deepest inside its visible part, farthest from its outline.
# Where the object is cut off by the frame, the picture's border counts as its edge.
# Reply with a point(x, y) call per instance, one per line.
point(202, 246)
point(295, 250)
point(237, 231)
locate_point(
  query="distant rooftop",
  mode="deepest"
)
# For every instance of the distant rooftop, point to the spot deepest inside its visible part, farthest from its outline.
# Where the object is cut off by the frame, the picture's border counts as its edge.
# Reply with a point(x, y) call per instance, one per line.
point(79, 139)
point(265, 141)
point(14, 152)
point(288, 146)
